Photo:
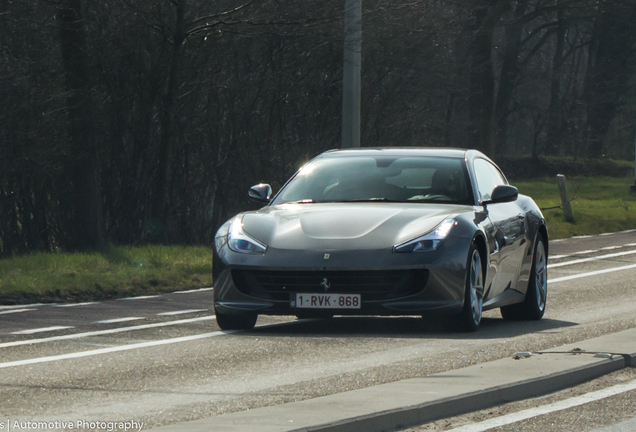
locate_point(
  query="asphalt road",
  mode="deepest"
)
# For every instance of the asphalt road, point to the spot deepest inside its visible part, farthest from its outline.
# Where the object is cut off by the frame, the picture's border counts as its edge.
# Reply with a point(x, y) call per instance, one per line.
point(165, 361)
point(614, 413)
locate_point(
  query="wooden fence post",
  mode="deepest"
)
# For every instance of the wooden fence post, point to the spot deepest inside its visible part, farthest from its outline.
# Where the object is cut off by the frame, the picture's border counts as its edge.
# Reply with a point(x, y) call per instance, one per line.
point(565, 198)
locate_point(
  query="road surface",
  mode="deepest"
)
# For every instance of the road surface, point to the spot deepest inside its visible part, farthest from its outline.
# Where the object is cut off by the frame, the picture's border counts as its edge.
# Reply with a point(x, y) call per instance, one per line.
point(163, 360)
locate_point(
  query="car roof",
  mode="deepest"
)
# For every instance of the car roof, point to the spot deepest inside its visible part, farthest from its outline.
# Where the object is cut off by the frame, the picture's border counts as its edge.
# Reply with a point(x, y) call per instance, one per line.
point(397, 151)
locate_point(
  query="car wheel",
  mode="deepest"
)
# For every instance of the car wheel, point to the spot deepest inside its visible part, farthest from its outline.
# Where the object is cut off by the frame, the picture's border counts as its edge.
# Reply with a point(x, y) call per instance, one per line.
point(470, 316)
point(235, 322)
point(533, 307)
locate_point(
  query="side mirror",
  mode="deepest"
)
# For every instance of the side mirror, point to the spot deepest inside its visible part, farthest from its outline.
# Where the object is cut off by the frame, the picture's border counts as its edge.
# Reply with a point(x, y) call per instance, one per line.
point(260, 192)
point(502, 194)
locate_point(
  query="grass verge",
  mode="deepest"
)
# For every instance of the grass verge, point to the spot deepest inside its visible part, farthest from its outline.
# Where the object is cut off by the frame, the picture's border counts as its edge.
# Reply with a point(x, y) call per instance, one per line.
point(599, 204)
point(119, 271)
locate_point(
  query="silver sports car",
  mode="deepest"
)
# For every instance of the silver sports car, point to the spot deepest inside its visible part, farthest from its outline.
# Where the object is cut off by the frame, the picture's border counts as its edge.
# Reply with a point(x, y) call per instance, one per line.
point(385, 231)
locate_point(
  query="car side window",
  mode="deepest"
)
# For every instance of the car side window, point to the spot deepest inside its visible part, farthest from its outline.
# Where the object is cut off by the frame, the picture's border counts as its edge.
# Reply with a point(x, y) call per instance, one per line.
point(487, 176)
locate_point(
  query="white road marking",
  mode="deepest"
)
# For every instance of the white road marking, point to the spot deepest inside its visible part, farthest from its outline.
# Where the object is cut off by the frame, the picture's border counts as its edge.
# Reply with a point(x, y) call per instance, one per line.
point(111, 349)
point(596, 258)
point(594, 273)
point(585, 252)
point(10, 311)
point(105, 332)
point(118, 320)
point(76, 304)
point(140, 297)
point(581, 237)
point(40, 330)
point(21, 306)
point(547, 409)
point(126, 347)
point(193, 290)
point(182, 312)
point(591, 251)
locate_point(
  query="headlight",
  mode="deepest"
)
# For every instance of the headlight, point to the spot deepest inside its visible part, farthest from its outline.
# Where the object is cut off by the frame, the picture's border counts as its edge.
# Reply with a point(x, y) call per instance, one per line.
point(241, 242)
point(430, 241)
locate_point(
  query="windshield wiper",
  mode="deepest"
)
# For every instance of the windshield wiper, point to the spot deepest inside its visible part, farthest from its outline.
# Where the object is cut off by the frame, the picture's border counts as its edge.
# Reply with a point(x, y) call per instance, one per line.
point(311, 201)
point(302, 201)
point(366, 200)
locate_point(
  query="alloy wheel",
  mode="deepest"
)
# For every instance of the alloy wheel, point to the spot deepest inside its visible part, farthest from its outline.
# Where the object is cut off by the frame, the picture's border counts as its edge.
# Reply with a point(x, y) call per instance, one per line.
point(541, 275)
point(476, 286)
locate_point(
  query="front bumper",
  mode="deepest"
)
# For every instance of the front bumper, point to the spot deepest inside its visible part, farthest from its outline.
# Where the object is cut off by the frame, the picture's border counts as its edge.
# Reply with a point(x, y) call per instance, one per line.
point(436, 284)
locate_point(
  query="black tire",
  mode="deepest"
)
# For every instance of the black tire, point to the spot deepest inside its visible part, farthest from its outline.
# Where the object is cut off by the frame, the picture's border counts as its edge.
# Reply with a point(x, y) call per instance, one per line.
point(236, 322)
point(470, 316)
point(533, 306)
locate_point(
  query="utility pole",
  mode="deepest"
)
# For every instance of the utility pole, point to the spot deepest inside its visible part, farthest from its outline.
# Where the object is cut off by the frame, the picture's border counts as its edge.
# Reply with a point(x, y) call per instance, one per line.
point(351, 74)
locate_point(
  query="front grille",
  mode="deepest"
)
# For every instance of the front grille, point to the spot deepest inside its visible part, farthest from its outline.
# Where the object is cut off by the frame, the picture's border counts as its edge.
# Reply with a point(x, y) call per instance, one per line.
point(374, 285)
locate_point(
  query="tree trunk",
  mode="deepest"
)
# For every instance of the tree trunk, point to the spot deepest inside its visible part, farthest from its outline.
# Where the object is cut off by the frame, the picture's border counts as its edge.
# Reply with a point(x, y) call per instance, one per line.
point(159, 204)
point(482, 77)
point(509, 73)
point(82, 165)
point(554, 144)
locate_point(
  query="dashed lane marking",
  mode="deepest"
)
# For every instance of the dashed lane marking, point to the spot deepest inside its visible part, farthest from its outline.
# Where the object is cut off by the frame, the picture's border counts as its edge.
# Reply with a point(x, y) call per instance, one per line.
point(140, 297)
point(32, 305)
point(42, 330)
point(192, 290)
point(127, 347)
point(575, 253)
point(75, 304)
point(118, 320)
point(181, 312)
point(10, 311)
point(105, 332)
point(596, 258)
point(592, 251)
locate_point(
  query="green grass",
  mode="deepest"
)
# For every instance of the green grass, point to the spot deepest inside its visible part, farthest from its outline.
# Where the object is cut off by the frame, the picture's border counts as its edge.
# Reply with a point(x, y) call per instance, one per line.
point(120, 271)
point(599, 204)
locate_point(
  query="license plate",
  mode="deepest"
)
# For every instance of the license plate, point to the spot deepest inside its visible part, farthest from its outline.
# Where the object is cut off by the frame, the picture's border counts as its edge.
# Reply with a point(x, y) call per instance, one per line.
point(326, 301)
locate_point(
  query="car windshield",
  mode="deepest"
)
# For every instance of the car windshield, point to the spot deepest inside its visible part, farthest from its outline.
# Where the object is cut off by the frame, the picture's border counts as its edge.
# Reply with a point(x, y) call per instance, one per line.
point(379, 178)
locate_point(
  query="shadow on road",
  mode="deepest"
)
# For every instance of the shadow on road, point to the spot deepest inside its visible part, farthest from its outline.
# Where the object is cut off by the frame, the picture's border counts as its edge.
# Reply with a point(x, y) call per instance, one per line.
point(403, 327)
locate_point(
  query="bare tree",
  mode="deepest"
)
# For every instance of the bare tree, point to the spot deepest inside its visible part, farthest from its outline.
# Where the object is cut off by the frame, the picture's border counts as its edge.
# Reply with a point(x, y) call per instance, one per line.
point(610, 68)
point(82, 162)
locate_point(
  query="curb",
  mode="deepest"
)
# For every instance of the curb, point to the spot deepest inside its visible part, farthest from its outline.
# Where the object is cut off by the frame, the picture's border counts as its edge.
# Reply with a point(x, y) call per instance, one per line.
point(450, 407)
point(416, 401)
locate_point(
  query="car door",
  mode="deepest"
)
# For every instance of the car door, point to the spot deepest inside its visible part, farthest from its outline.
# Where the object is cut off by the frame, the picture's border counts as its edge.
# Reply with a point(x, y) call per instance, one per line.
point(508, 228)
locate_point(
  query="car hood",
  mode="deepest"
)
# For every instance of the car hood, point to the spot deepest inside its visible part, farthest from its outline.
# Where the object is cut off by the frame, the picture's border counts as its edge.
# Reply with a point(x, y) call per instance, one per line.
point(344, 226)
